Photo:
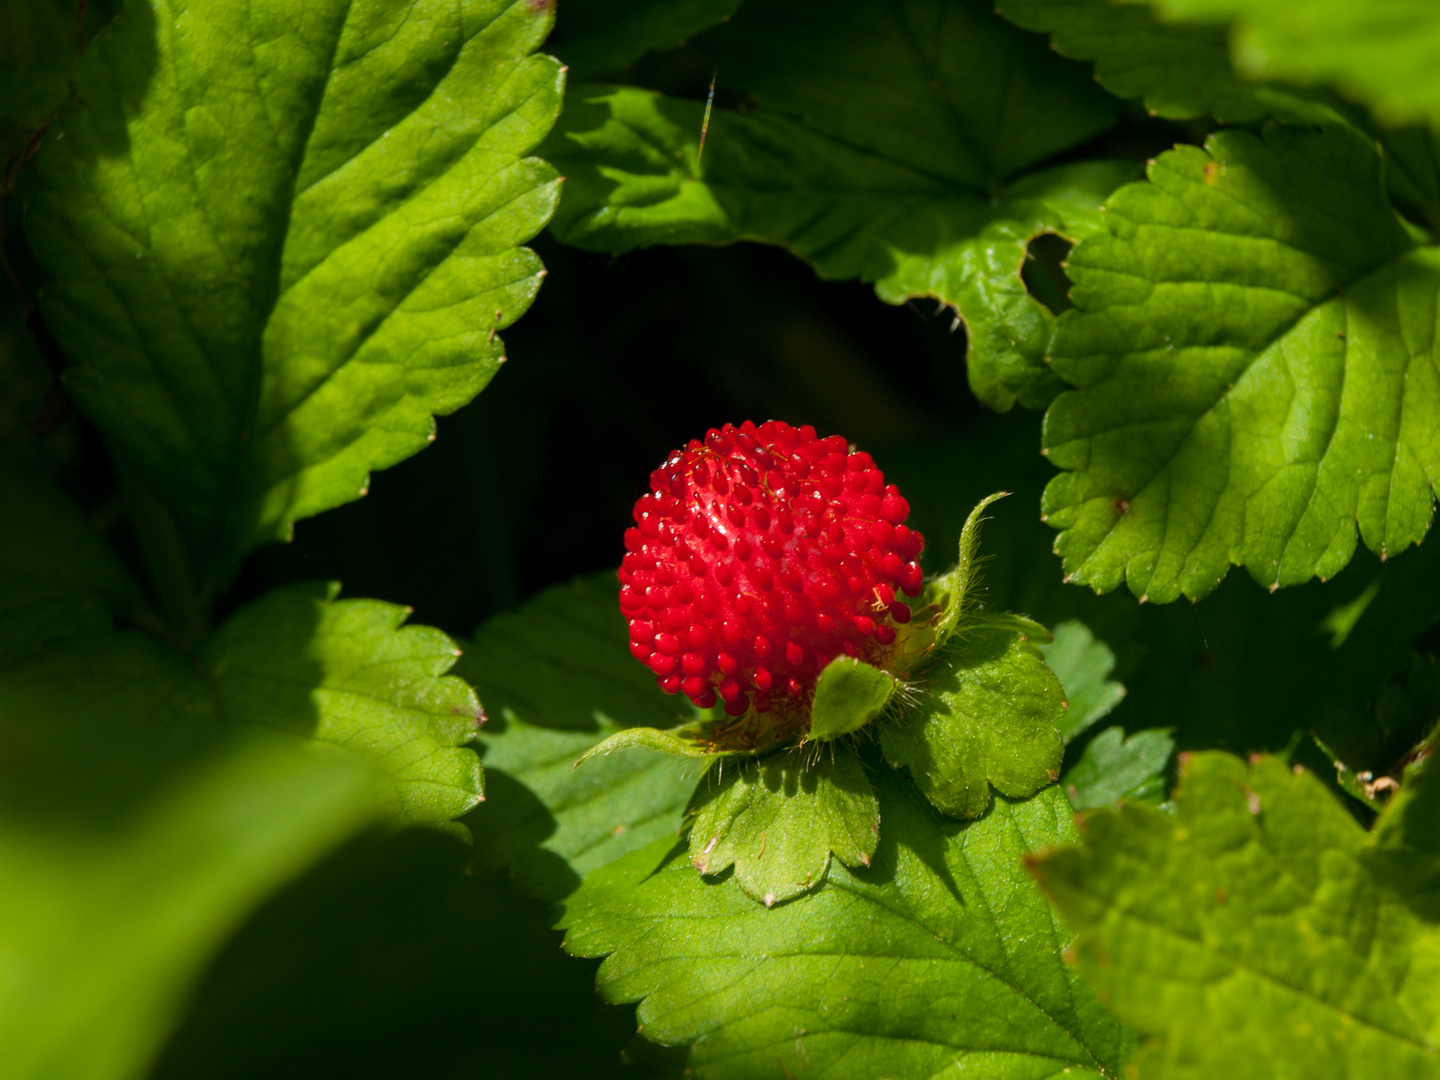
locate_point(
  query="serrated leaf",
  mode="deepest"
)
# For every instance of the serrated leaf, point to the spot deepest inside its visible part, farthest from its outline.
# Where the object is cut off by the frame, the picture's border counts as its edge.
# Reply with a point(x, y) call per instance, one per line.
point(1254, 380)
point(558, 678)
point(1083, 664)
point(1114, 768)
point(1184, 70)
point(848, 695)
point(551, 822)
point(1383, 52)
point(347, 673)
point(278, 243)
point(1180, 71)
point(136, 830)
point(939, 957)
point(597, 38)
point(929, 189)
point(777, 820)
point(986, 717)
point(1248, 938)
point(563, 661)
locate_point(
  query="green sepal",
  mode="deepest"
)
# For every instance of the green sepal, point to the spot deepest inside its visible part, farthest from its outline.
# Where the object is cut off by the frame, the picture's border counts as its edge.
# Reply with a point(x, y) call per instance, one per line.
point(778, 819)
point(943, 602)
point(849, 694)
point(987, 717)
point(680, 742)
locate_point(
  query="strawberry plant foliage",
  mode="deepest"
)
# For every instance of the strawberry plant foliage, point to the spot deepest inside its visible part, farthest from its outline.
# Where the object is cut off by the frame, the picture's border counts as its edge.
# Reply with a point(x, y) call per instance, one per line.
point(766, 559)
point(1252, 935)
point(182, 807)
point(1383, 53)
point(932, 188)
point(1252, 353)
point(556, 679)
point(279, 244)
point(172, 825)
point(940, 955)
point(987, 719)
point(607, 36)
point(778, 820)
point(348, 674)
point(826, 847)
point(1180, 71)
point(803, 795)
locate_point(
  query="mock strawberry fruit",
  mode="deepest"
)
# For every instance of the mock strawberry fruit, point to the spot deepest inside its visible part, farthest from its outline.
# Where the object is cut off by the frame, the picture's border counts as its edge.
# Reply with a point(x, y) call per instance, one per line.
point(758, 556)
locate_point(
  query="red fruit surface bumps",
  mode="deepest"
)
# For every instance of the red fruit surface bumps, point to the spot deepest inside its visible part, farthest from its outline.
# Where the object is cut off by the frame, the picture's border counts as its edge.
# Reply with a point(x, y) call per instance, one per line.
point(759, 555)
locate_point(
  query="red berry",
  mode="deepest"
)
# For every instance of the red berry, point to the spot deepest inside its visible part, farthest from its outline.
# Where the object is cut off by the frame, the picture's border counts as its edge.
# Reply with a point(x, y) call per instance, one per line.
point(759, 556)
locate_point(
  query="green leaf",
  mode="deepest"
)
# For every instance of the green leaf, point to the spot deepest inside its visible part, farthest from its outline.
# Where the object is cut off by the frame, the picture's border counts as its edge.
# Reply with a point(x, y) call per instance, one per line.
point(279, 243)
point(1181, 72)
point(1254, 374)
point(1413, 819)
point(136, 830)
point(57, 576)
point(1383, 53)
point(558, 678)
point(1082, 663)
point(933, 188)
point(41, 41)
point(939, 957)
point(597, 38)
point(563, 661)
point(346, 673)
point(986, 717)
point(396, 957)
point(848, 695)
point(1248, 938)
point(1113, 768)
point(776, 820)
point(551, 822)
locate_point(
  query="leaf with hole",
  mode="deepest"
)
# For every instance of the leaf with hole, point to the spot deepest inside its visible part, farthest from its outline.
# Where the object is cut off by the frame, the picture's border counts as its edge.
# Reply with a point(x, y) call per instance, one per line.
point(933, 188)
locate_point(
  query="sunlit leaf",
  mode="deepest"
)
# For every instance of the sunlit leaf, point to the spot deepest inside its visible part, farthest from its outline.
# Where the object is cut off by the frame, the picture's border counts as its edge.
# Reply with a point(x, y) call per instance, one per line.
point(777, 820)
point(280, 239)
point(1247, 937)
point(986, 717)
point(931, 188)
point(1252, 353)
point(940, 956)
